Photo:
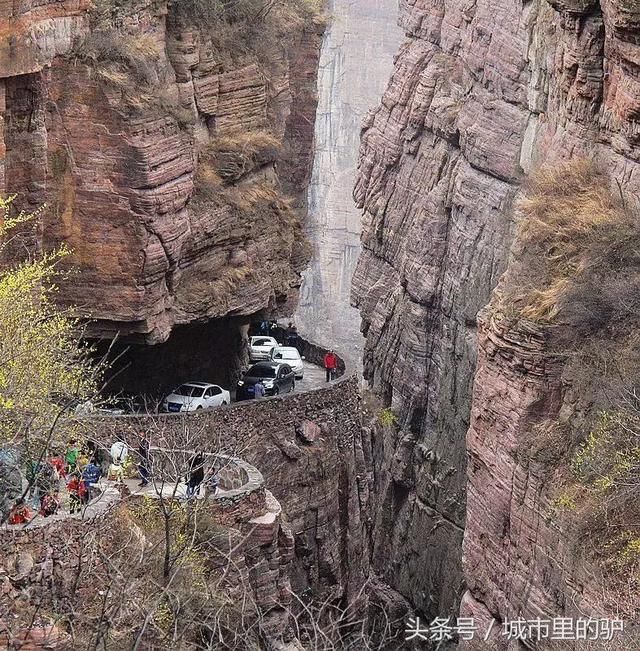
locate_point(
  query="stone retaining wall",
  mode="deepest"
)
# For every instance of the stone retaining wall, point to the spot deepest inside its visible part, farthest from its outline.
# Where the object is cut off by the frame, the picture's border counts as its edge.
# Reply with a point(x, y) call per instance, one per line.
point(315, 354)
point(244, 492)
point(322, 484)
point(306, 449)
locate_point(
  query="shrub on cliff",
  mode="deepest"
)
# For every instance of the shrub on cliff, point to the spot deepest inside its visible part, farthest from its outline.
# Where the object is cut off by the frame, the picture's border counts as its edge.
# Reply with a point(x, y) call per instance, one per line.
point(236, 155)
point(111, 50)
point(576, 273)
point(577, 261)
point(244, 31)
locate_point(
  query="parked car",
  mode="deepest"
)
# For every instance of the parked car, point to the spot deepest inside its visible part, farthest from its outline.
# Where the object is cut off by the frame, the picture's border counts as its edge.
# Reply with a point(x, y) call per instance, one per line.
point(291, 356)
point(195, 395)
point(276, 377)
point(260, 348)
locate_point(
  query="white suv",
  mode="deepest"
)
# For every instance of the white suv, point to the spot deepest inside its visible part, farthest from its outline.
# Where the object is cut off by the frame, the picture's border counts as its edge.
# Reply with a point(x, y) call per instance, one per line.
point(260, 347)
point(289, 355)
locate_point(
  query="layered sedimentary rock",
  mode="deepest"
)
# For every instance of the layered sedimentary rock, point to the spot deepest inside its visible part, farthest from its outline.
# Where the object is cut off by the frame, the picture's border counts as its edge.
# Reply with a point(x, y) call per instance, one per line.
point(109, 115)
point(250, 562)
point(321, 484)
point(481, 93)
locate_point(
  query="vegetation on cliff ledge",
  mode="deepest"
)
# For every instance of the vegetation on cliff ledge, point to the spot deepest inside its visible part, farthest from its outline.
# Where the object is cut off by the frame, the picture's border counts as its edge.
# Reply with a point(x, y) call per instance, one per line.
point(576, 275)
point(576, 250)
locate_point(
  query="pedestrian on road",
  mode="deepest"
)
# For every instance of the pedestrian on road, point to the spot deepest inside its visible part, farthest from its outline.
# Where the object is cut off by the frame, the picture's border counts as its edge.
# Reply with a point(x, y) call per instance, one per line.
point(77, 491)
point(57, 461)
point(71, 456)
point(102, 460)
point(274, 330)
point(291, 336)
point(258, 389)
point(330, 365)
point(48, 479)
point(145, 460)
point(119, 454)
point(49, 504)
point(196, 474)
point(91, 476)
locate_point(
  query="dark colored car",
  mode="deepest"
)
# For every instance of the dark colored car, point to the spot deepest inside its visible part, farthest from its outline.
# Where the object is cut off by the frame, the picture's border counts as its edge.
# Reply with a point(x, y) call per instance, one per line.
point(276, 377)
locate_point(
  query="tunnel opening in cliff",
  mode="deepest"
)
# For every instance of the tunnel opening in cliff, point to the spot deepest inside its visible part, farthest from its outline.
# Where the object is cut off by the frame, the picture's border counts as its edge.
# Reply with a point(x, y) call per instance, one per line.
point(213, 351)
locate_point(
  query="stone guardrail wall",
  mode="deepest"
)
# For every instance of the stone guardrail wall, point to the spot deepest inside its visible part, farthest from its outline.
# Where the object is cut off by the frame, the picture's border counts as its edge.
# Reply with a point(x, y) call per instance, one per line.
point(315, 354)
point(241, 494)
point(316, 482)
point(247, 424)
point(244, 491)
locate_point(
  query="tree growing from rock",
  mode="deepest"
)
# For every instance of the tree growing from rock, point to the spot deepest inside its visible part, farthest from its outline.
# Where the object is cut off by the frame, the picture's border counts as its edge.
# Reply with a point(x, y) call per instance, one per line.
point(44, 368)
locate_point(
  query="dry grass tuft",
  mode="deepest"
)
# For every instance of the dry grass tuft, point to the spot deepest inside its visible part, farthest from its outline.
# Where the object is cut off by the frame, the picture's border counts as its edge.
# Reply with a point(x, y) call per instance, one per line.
point(570, 227)
point(124, 59)
point(235, 155)
point(127, 63)
point(245, 31)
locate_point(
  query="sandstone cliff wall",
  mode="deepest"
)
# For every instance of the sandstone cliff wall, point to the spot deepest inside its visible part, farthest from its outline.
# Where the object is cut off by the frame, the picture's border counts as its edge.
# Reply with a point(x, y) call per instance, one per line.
point(168, 152)
point(481, 93)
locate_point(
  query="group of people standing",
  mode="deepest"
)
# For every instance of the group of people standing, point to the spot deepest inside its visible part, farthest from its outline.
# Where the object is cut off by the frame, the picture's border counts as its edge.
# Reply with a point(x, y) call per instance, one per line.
point(77, 470)
point(80, 468)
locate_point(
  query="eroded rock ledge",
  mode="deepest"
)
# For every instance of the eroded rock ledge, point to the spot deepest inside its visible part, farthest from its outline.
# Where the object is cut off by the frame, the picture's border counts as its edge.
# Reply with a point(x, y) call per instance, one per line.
point(125, 125)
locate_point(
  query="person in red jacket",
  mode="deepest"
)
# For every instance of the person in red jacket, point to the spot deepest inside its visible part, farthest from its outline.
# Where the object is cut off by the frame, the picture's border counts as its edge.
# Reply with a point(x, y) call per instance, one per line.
point(49, 504)
point(330, 365)
point(20, 513)
point(77, 492)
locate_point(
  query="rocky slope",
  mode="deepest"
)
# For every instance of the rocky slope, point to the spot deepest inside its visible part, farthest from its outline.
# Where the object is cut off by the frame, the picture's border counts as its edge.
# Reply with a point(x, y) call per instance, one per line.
point(482, 93)
point(166, 148)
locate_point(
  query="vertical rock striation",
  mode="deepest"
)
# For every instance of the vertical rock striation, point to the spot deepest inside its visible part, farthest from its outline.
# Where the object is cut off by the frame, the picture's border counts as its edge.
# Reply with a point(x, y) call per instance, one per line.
point(360, 31)
point(481, 93)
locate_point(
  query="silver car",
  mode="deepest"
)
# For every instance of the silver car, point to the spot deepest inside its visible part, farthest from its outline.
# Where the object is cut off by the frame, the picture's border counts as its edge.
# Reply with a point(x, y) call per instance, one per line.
point(260, 348)
point(195, 395)
point(289, 355)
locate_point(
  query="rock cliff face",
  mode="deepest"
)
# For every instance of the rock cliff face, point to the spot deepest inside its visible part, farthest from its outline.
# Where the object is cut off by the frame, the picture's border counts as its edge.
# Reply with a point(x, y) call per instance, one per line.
point(482, 92)
point(359, 31)
point(165, 153)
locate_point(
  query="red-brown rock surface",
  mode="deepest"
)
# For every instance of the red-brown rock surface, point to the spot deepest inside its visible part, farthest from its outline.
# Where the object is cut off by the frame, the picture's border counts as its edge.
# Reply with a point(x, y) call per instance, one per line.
point(116, 151)
point(482, 92)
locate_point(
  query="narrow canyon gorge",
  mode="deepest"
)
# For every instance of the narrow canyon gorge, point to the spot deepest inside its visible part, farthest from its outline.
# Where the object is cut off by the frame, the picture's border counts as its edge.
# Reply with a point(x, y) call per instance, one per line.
point(444, 192)
point(360, 30)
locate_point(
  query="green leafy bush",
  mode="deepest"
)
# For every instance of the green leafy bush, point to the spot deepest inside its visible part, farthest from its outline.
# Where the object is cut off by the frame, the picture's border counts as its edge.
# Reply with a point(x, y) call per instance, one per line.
point(386, 417)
